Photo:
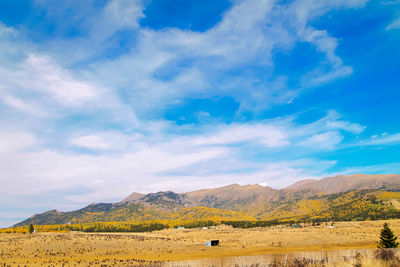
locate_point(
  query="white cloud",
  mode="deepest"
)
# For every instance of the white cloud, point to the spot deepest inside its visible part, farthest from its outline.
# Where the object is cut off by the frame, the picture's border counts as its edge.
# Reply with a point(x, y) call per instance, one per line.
point(384, 139)
point(51, 170)
point(21, 105)
point(90, 141)
point(144, 161)
point(16, 103)
point(317, 77)
point(394, 25)
point(246, 36)
point(40, 87)
point(51, 78)
point(38, 74)
point(116, 15)
point(334, 123)
point(96, 26)
point(11, 141)
point(327, 140)
point(267, 135)
point(12, 45)
point(304, 11)
point(112, 141)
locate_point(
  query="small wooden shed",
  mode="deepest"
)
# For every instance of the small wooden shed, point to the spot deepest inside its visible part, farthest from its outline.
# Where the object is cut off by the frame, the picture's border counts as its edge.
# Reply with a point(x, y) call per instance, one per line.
point(212, 243)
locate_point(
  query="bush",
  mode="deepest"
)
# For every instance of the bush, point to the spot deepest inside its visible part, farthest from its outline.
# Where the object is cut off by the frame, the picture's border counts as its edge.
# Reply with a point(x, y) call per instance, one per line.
point(386, 255)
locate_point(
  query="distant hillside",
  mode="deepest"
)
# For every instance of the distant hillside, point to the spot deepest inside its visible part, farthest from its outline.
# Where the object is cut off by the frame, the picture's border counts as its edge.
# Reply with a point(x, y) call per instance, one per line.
point(106, 212)
point(340, 198)
point(343, 183)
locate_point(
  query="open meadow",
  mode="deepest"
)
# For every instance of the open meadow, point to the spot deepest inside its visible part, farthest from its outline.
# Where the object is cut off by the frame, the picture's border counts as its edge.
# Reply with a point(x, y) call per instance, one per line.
point(76, 248)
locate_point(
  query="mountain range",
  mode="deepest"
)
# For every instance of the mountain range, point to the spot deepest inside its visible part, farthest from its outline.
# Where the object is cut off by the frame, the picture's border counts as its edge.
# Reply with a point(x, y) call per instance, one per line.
point(350, 197)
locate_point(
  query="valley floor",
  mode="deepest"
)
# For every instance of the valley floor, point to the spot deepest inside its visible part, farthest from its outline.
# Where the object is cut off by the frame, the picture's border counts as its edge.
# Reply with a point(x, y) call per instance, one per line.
point(183, 244)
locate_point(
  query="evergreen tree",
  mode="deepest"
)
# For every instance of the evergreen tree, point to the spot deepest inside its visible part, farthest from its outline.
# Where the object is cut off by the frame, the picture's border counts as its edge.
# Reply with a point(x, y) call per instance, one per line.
point(31, 229)
point(387, 238)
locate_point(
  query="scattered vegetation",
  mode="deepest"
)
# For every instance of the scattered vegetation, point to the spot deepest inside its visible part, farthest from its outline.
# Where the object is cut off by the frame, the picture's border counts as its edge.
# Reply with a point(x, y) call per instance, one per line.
point(115, 227)
point(252, 224)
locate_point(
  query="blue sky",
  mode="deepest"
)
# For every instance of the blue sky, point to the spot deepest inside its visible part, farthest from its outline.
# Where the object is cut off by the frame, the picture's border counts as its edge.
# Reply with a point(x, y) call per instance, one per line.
point(102, 98)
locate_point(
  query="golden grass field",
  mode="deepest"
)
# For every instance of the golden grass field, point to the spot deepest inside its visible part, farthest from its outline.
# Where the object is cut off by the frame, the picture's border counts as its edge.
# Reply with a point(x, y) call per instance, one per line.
point(183, 244)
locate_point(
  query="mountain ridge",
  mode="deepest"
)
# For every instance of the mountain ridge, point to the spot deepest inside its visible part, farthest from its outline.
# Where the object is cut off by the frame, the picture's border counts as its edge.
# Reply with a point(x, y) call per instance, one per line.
point(342, 183)
point(304, 198)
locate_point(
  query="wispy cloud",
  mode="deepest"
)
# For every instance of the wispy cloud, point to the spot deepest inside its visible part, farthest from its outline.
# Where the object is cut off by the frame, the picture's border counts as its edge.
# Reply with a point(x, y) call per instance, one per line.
point(384, 139)
point(395, 25)
point(327, 140)
point(155, 73)
point(170, 64)
point(267, 135)
point(40, 74)
point(90, 141)
point(146, 161)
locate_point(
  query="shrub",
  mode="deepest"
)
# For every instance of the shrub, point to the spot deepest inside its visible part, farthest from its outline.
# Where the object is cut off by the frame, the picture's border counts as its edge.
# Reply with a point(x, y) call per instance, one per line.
point(385, 255)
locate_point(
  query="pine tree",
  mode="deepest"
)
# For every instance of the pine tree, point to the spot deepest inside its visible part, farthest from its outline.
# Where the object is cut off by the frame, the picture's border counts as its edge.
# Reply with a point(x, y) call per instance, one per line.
point(31, 229)
point(387, 238)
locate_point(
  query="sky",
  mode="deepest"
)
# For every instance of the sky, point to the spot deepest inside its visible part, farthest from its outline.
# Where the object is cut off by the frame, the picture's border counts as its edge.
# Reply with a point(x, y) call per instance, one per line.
point(102, 98)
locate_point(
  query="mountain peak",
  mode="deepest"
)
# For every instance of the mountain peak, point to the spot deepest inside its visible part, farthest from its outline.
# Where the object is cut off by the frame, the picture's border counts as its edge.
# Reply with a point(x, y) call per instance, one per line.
point(132, 197)
point(301, 183)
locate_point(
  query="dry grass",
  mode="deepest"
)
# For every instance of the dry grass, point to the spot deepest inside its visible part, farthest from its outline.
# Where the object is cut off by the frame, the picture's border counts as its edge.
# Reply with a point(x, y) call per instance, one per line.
point(188, 244)
point(332, 258)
